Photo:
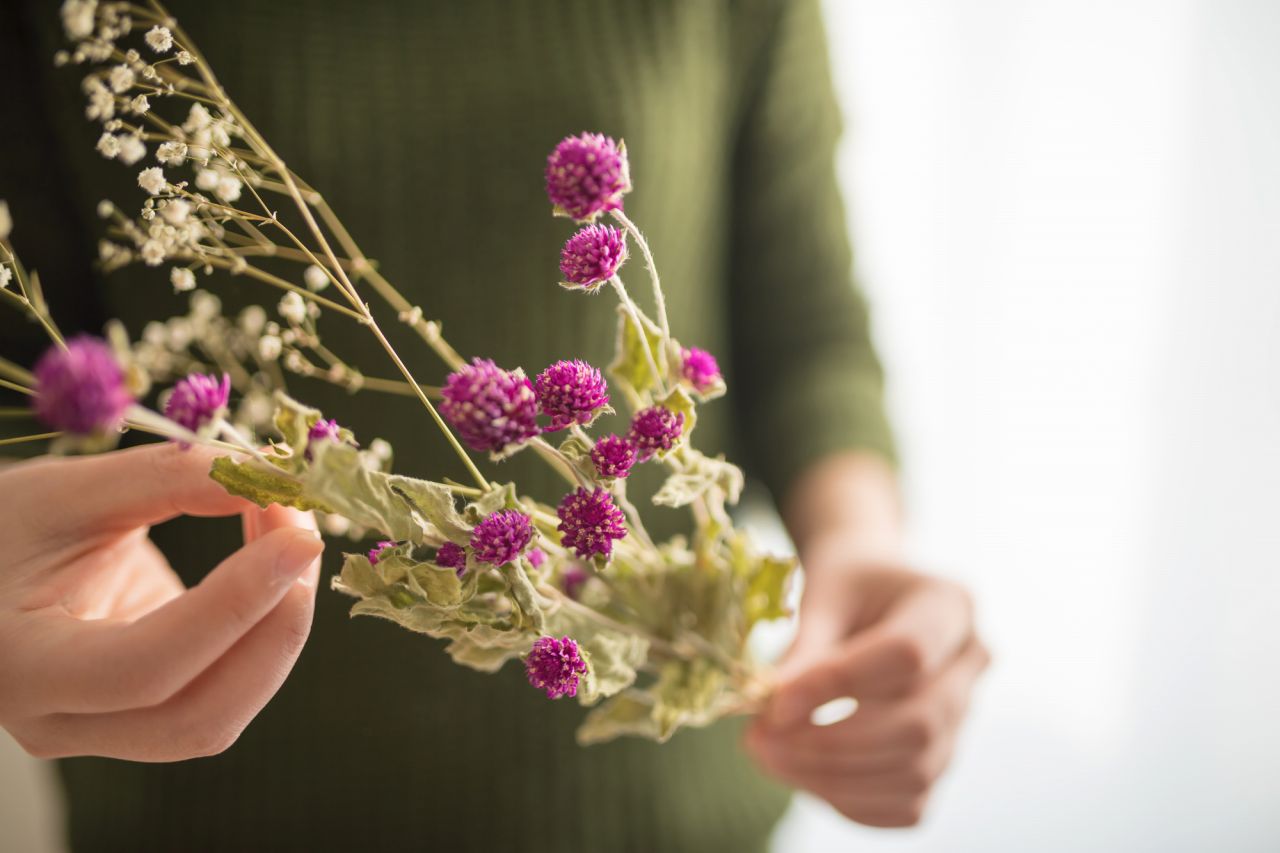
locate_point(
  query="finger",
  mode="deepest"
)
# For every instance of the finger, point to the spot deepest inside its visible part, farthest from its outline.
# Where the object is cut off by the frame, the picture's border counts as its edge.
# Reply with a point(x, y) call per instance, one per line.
point(920, 633)
point(913, 723)
point(207, 716)
point(100, 666)
point(124, 489)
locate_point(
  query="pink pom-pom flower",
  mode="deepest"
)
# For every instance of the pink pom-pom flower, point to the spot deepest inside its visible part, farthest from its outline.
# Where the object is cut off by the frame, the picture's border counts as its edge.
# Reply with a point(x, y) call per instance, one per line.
point(590, 522)
point(700, 369)
point(613, 456)
point(655, 430)
point(81, 389)
point(592, 256)
point(491, 408)
point(555, 666)
point(571, 392)
point(501, 537)
point(197, 400)
point(587, 175)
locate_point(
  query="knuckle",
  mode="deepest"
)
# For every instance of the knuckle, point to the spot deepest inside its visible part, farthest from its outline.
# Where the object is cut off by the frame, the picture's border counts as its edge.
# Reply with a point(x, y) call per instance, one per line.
point(910, 657)
point(918, 778)
point(920, 732)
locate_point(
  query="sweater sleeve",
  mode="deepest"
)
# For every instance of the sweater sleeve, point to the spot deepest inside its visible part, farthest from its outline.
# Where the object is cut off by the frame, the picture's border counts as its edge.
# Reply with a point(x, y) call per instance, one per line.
point(806, 378)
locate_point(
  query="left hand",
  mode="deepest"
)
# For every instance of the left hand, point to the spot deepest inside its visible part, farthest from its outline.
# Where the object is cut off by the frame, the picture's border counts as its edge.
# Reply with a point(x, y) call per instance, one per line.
point(903, 645)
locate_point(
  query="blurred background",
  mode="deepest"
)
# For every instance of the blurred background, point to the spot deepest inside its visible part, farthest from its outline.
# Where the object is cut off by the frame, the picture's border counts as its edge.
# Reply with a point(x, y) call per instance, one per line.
point(1067, 216)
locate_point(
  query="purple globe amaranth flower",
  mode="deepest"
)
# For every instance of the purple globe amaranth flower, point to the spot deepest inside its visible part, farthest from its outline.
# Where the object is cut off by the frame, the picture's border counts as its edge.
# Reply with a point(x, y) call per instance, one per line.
point(501, 537)
point(197, 400)
point(452, 556)
point(322, 430)
point(572, 580)
point(537, 557)
point(587, 175)
point(613, 456)
point(375, 553)
point(491, 408)
point(81, 389)
point(655, 430)
point(555, 666)
point(592, 256)
point(570, 392)
point(590, 522)
point(700, 369)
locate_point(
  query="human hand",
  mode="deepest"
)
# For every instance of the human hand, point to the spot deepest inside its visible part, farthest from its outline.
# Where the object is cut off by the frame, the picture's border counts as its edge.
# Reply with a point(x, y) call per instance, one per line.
point(903, 645)
point(104, 651)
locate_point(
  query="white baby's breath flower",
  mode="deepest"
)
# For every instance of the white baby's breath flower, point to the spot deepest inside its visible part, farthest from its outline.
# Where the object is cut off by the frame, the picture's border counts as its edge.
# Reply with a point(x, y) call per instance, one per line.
point(6, 221)
point(108, 145)
point(182, 279)
point(269, 347)
point(228, 188)
point(381, 449)
point(159, 39)
point(197, 119)
point(155, 333)
point(316, 279)
point(181, 333)
point(205, 306)
point(185, 57)
point(336, 525)
point(152, 180)
point(219, 135)
point(207, 179)
point(6, 275)
point(77, 18)
point(120, 79)
point(172, 153)
point(252, 319)
point(292, 308)
point(132, 149)
point(102, 104)
point(140, 104)
point(176, 211)
point(152, 252)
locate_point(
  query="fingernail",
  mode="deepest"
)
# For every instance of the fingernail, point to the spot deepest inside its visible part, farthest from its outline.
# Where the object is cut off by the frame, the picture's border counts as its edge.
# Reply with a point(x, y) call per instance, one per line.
point(300, 552)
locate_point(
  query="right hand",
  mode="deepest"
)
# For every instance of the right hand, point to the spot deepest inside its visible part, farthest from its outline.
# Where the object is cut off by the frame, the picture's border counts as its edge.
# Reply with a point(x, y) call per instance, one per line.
point(103, 651)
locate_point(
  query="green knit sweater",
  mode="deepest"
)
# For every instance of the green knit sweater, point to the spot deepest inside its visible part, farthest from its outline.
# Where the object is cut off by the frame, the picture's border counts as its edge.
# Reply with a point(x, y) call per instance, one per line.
point(426, 125)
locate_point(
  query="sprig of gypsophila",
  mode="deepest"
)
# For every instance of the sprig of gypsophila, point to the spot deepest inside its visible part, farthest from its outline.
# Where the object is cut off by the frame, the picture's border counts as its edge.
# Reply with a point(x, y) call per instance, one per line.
point(228, 216)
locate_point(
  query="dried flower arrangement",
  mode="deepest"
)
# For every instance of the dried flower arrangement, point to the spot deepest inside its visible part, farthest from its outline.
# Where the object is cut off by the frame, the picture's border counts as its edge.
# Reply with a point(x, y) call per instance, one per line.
point(653, 635)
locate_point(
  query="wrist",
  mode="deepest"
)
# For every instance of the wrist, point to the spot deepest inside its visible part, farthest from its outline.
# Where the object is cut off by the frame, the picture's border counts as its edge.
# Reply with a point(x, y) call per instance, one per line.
point(846, 509)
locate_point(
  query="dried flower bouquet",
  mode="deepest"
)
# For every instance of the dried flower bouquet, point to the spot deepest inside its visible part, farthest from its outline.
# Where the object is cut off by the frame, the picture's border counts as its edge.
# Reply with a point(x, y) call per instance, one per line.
point(654, 635)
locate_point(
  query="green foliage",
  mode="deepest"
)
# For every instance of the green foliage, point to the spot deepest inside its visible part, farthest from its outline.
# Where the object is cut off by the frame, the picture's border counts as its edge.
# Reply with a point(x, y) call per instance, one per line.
point(630, 367)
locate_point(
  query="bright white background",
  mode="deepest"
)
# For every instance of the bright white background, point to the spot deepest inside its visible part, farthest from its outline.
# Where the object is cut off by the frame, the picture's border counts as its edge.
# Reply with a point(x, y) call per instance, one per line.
point(1067, 214)
point(1068, 218)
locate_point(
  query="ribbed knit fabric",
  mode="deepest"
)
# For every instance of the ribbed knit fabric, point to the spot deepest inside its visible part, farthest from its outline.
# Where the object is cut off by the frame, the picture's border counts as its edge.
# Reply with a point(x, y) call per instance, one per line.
point(426, 125)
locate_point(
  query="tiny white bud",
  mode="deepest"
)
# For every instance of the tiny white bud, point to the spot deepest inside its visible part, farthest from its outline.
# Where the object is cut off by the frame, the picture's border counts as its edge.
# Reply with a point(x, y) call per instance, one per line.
point(182, 279)
point(316, 279)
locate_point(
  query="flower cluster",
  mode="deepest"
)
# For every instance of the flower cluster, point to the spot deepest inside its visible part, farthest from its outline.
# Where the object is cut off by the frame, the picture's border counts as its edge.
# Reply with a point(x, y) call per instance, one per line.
point(613, 457)
point(452, 556)
point(590, 522)
point(592, 256)
point(198, 399)
point(655, 430)
point(375, 553)
point(699, 369)
point(80, 388)
point(571, 392)
point(587, 175)
point(501, 537)
point(555, 666)
point(491, 408)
